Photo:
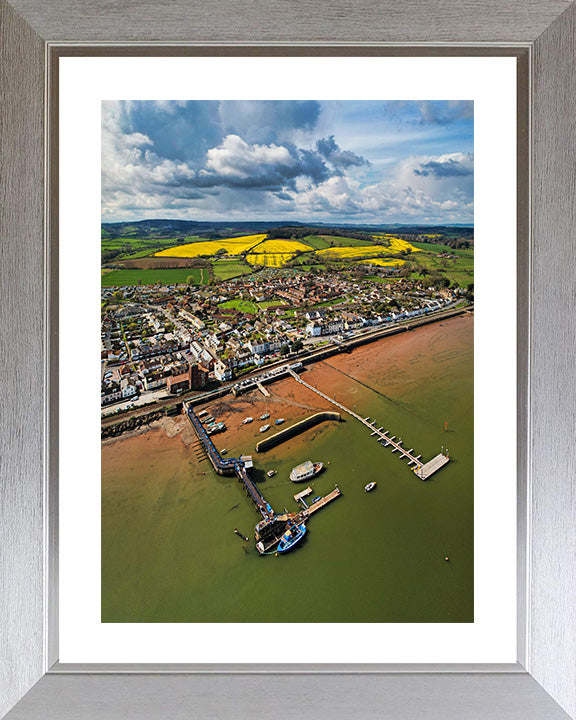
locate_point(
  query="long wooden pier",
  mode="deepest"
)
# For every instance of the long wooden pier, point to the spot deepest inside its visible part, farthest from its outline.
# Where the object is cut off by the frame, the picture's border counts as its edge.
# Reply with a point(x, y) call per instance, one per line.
point(422, 470)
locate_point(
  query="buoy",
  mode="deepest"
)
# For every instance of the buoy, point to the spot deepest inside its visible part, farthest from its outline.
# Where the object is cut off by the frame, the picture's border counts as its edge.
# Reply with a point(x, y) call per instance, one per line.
point(447, 559)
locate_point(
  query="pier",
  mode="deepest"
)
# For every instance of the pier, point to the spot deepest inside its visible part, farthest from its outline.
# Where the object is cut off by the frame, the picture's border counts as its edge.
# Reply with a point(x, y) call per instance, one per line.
point(319, 504)
point(231, 466)
point(421, 469)
point(270, 529)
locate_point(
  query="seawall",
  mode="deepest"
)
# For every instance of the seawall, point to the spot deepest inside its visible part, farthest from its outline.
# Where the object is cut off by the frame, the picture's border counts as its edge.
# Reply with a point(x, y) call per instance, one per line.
point(297, 428)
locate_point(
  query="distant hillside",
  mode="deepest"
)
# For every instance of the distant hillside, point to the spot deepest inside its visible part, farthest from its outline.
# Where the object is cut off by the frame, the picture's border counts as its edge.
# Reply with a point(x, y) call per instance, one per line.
point(174, 229)
point(184, 228)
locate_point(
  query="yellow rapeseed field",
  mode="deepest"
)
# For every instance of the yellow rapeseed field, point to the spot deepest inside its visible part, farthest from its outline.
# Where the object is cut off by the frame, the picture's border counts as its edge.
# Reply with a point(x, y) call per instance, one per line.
point(233, 246)
point(390, 262)
point(269, 259)
point(353, 253)
point(281, 247)
point(396, 243)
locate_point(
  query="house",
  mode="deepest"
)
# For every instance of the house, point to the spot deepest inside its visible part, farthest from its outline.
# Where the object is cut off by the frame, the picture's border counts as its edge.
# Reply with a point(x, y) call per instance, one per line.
point(258, 346)
point(128, 388)
point(154, 380)
point(195, 321)
point(333, 326)
point(314, 329)
point(110, 392)
point(222, 371)
point(178, 383)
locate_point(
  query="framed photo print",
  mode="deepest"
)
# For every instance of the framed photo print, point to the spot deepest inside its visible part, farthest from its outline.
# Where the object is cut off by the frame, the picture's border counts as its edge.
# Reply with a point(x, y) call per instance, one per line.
point(311, 284)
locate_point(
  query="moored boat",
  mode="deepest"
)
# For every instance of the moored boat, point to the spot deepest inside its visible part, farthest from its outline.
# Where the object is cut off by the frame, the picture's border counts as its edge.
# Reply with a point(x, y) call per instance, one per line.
point(264, 428)
point(247, 420)
point(293, 535)
point(264, 416)
point(271, 473)
point(305, 471)
point(369, 487)
point(278, 421)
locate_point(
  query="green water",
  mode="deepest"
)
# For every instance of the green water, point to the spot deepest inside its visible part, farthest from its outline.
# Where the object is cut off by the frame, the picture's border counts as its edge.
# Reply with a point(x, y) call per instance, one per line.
point(169, 553)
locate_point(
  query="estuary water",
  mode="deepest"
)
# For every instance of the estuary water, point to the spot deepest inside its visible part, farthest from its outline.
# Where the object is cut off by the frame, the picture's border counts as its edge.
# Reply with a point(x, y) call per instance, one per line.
point(169, 553)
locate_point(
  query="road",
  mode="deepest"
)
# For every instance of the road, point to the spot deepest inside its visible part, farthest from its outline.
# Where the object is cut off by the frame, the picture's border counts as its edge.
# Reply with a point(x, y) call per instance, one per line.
point(366, 336)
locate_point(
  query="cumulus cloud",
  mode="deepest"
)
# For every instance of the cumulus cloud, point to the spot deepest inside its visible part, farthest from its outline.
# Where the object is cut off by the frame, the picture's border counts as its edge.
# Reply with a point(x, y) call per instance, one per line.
point(385, 201)
point(454, 165)
point(268, 121)
point(237, 163)
point(270, 158)
point(338, 158)
point(436, 112)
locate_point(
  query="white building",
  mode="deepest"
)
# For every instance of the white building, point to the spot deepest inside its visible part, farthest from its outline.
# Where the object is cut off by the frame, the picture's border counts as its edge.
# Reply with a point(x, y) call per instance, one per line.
point(222, 371)
point(314, 329)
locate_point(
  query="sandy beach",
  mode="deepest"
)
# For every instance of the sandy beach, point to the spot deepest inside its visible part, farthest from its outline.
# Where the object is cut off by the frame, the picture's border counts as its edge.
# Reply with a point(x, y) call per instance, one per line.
point(169, 553)
point(396, 366)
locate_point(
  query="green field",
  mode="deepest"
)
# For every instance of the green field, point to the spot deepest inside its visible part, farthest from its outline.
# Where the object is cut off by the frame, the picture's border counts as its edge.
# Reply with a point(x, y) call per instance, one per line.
point(269, 303)
point(325, 241)
point(245, 306)
point(316, 242)
point(142, 246)
point(460, 270)
point(152, 277)
point(434, 248)
point(378, 279)
point(137, 254)
point(225, 269)
point(311, 267)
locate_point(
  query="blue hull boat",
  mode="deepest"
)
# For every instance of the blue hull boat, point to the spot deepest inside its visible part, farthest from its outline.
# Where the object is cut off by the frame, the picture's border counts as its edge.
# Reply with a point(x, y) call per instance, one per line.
point(291, 537)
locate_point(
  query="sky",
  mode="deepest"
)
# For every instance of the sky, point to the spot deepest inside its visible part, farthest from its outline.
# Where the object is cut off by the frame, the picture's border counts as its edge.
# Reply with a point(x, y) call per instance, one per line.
point(368, 162)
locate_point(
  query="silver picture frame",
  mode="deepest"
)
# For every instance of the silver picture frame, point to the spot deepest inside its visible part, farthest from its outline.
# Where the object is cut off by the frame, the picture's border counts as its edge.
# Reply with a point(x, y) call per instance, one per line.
point(542, 684)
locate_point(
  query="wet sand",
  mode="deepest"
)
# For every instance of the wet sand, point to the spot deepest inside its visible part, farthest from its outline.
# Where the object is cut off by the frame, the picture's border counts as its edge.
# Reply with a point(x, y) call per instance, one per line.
point(399, 366)
point(169, 553)
point(396, 368)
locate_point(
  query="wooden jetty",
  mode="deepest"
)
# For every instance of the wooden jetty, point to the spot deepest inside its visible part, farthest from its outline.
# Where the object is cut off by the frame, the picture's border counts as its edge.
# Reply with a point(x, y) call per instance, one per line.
point(319, 504)
point(422, 470)
point(432, 466)
point(302, 494)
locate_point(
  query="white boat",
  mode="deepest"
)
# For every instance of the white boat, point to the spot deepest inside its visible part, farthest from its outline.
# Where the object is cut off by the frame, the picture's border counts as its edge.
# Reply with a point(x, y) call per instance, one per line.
point(369, 487)
point(247, 420)
point(278, 421)
point(271, 473)
point(265, 416)
point(264, 428)
point(305, 471)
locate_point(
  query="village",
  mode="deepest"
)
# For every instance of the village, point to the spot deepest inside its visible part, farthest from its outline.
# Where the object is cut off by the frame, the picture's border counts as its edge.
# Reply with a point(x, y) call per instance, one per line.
point(159, 341)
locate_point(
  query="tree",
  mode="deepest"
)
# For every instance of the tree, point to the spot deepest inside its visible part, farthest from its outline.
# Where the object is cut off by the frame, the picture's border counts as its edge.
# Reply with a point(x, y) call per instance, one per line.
point(118, 295)
point(285, 349)
point(297, 345)
point(190, 280)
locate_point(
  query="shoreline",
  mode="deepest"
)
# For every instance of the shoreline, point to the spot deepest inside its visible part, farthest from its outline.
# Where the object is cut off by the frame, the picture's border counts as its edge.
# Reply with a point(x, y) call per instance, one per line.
point(389, 367)
point(169, 553)
point(368, 338)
